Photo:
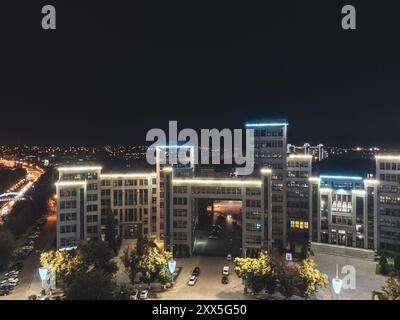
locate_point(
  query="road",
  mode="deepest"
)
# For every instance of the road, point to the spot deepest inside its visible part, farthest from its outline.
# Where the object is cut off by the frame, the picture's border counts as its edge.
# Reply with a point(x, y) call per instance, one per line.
point(30, 282)
point(22, 186)
point(228, 242)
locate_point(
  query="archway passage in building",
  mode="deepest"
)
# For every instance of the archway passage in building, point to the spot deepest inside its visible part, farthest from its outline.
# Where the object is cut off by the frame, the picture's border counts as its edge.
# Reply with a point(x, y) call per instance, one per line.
point(218, 229)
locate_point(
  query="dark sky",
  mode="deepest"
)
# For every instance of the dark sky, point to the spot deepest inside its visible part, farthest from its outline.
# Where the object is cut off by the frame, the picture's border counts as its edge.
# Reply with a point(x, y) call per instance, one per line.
point(114, 69)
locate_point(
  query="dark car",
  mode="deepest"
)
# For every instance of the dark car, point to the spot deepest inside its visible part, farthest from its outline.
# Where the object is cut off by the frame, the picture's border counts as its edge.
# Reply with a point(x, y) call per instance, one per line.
point(4, 291)
point(17, 266)
point(216, 228)
point(196, 271)
point(225, 280)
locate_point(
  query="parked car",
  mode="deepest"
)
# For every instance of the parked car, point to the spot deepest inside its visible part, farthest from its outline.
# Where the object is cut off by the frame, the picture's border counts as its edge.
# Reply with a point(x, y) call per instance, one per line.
point(192, 281)
point(4, 291)
point(41, 221)
point(134, 295)
point(229, 257)
point(17, 266)
point(143, 294)
point(213, 237)
point(225, 270)
point(196, 271)
point(217, 228)
point(225, 280)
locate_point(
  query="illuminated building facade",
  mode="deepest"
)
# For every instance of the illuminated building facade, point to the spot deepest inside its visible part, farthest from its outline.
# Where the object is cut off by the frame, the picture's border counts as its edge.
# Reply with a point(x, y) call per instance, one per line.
point(388, 173)
point(182, 196)
point(132, 200)
point(86, 198)
point(78, 205)
point(270, 144)
point(343, 211)
point(299, 169)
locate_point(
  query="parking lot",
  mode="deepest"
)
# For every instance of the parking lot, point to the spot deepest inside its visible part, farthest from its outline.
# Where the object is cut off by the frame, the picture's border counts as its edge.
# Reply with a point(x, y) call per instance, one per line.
point(209, 284)
point(26, 281)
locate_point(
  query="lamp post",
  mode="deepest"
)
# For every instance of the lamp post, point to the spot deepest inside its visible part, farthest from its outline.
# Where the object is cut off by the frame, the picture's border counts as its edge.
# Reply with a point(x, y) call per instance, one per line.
point(337, 283)
point(43, 275)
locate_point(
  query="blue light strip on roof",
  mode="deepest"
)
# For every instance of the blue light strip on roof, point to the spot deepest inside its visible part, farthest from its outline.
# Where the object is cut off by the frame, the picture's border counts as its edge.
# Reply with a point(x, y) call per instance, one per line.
point(272, 124)
point(341, 177)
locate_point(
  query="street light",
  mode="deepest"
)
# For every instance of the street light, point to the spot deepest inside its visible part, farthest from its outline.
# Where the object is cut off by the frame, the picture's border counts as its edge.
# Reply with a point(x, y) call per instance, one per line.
point(337, 282)
point(43, 275)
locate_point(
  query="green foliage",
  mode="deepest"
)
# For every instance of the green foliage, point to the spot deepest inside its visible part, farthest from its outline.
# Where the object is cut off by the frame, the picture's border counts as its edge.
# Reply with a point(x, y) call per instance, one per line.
point(81, 266)
point(309, 279)
point(110, 225)
point(391, 289)
point(92, 285)
point(65, 263)
point(274, 273)
point(96, 255)
point(256, 272)
point(150, 261)
point(7, 245)
point(286, 274)
point(22, 215)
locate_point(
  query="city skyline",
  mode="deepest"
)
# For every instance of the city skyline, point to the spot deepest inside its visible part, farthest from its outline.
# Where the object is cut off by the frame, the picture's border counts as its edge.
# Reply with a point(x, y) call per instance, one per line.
point(205, 157)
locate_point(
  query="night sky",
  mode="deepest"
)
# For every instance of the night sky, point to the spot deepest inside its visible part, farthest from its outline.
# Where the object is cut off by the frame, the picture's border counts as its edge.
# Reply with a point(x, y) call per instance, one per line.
point(114, 69)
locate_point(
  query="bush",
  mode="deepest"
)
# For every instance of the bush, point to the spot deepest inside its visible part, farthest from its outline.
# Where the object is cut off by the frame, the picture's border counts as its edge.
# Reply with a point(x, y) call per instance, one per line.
point(7, 245)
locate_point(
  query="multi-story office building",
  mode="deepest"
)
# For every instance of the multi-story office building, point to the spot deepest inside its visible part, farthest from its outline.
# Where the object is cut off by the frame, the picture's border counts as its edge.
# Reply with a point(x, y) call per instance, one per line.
point(183, 209)
point(78, 205)
point(343, 211)
point(298, 198)
point(86, 197)
point(282, 204)
point(132, 199)
point(270, 146)
point(388, 174)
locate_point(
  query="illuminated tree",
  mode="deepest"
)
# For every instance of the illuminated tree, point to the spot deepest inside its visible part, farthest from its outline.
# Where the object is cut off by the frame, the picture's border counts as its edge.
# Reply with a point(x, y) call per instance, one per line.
point(149, 260)
point(65, 263)
point(391, 289)
point(88, 256)
point(309, 278)
point(255, 272)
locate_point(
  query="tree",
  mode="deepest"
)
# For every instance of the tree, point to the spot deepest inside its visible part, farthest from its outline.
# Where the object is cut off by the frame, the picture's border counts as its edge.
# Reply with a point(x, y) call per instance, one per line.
point(96, 255)
point(309, 279)
point(256, 272)
point(287, 278)
point(391, 289)
point(65, 263)
point(147, 259)
point(92, 285)
point(7, 245)
point(110, 231)
point(88, 256)
point(305, 250)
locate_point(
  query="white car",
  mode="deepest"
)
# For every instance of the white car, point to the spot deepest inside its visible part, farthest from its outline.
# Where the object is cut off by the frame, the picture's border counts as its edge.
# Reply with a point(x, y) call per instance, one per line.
point(229, 257)
point(143, 294)
point(225, 270)
point(192, 281)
